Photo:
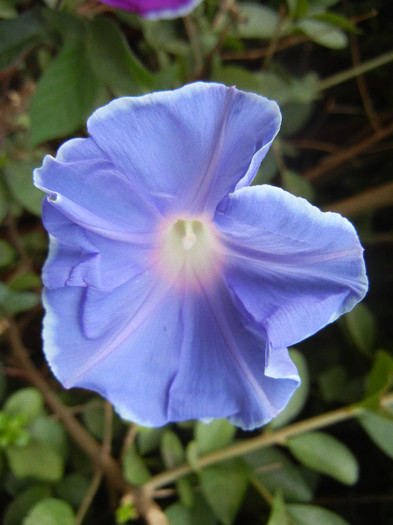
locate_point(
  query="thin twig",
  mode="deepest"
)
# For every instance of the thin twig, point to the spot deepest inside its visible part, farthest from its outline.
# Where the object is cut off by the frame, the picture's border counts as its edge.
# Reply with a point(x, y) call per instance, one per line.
point(89, 496)
point(348, 153)
point(372, 199)
point(77, 431)
point(266, 439)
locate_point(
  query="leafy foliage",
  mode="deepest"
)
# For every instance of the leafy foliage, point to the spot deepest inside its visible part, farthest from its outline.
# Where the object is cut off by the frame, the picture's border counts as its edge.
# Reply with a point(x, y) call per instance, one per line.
point(61, 61)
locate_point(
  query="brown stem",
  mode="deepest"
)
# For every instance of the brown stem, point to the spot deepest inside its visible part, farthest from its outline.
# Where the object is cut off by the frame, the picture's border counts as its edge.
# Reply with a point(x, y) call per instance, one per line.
point(349, 153)
point(373, 199)
point(78, 433)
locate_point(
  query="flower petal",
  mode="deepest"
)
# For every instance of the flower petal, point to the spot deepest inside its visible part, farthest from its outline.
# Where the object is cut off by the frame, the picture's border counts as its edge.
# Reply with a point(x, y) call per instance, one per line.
point(187, 148)
point(156, 9)
point(222, 367)
point(294, 268)
point(86, 187)
point(159, 356)
point(78, 257)
point(134, 357)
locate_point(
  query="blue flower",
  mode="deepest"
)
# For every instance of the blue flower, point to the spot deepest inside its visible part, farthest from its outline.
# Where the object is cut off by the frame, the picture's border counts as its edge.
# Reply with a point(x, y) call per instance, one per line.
point(173, 288)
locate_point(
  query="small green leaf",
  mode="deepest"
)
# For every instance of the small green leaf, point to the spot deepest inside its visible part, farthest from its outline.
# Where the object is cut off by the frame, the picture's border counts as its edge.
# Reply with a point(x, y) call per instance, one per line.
point(380, 430)
point(214, 435)
point(65, 95)
point(323, 34)
point(149, 439)
point(17, 302)
point(172, 450)
point(23, 502)
point(298, 185)
point(23, 281)
point(19, 177)
point(27, 402)
point(48, 430)
point(36, 460)
point(360, 324)
point(192, 455)
point(259, 21)
point(313, 515)
point(381, 374)
point(50, 511)
point(7, 253)
point(333, 383)
point(199, 514)
point(134, 468)
point(224, 487)
point(325, 454)
point(114, 63)
point(334, 19)
point(278, 514)
point(18, 35)
point(73, 489)
point(278, 473)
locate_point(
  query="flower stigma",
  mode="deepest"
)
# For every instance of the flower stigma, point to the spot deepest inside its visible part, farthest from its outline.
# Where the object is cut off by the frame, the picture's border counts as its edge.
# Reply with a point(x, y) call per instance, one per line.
point(189, 252)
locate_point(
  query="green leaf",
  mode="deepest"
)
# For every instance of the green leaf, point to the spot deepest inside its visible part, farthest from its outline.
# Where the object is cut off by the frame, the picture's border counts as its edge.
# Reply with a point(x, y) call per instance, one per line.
point(298, 185)
point(27, 402)
point(380, 429)
point(7, 253)
point(333, 383)
point(277, 87)
point(23, 502)
point(149, 439)
point(214, 435)
point(278, 513)
point(51, 511)
point(334, 19)
point(259, 21)
point(381, 375)
point(199, 514)
point(134, 468)
point(172, 450)
point(360, 324)
point(17, 302)
point(37, 460)
point(73, 489)
point(325, 454)
point(19, 177)
point(18, 35)
point(20, 282)
point(114, 63)
point(313, 515)
point(93, 416)
point(65, 95)
point(323, 34)
point(192, 454)
point(224, 487)
point(48, 430)
point(278, 473)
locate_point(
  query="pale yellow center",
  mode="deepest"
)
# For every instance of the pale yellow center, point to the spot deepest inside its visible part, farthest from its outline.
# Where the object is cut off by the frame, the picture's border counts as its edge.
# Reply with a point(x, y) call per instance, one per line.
point(189, 252)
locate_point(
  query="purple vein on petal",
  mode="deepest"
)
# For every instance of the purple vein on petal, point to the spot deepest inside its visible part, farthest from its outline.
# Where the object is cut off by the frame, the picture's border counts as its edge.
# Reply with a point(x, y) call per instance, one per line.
point(152, 300)
point(216, 308)
point(201, 193)
point(93, 219)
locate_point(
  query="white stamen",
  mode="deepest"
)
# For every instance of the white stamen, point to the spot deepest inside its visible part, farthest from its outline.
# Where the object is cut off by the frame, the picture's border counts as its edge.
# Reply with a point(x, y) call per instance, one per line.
point(189, 239)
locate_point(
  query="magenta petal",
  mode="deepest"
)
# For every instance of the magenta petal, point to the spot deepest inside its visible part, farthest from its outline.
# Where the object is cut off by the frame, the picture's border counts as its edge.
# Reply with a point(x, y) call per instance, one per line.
point(156, 9)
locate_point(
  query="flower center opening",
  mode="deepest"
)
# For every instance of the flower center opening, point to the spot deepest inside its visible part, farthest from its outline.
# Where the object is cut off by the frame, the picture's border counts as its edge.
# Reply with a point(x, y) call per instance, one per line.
point(189, 252)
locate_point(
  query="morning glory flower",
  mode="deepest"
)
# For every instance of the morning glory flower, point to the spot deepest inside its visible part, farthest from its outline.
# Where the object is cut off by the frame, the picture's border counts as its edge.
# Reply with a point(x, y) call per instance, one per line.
point(172, 287)
point(156, 9)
